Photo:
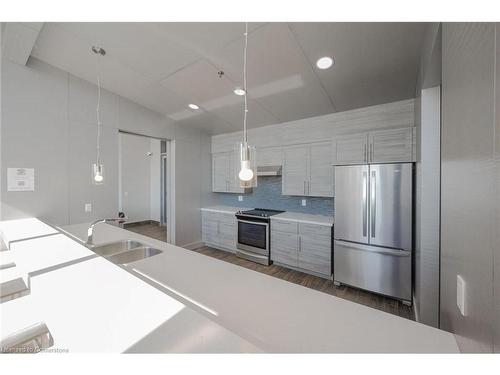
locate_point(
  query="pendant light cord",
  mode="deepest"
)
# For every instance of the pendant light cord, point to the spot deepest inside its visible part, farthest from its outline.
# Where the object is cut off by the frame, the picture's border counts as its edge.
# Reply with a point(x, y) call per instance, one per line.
point(245, 138)
point(98, 161)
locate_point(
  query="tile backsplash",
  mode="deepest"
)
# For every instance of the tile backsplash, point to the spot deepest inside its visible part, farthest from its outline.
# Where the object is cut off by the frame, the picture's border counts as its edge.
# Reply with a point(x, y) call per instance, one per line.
point(267, 194)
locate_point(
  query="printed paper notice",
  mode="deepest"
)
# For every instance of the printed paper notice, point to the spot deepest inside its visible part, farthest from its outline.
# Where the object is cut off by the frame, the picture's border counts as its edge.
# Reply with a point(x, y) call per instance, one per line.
point(20, 179)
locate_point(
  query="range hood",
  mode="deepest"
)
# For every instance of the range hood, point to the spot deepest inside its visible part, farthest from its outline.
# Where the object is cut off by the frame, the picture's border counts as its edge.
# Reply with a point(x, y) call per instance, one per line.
point(271, 170)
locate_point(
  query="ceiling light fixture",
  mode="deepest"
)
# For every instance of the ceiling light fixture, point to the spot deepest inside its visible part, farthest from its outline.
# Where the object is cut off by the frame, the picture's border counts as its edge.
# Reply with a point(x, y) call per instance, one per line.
point(239, 91)
point(324, 62)
point(247, 173)
point(193, 106)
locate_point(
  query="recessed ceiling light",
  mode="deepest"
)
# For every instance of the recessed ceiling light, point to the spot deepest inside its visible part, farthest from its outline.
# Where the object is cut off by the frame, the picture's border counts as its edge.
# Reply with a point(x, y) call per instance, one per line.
point(239, 91)
point(193, 106)
point(324, 62)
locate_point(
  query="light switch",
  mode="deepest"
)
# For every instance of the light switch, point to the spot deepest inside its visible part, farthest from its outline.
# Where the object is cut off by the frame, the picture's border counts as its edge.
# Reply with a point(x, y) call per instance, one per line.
point(88, 207)
point(240, 198)
point(304, 202)
point(461, 297)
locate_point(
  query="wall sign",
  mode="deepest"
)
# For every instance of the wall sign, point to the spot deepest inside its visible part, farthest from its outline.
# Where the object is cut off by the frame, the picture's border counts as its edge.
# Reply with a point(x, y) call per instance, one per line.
point(20, 179)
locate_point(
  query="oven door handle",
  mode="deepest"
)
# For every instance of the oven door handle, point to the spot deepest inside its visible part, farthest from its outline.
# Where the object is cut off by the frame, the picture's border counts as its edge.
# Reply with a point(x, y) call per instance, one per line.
point(255, 255)
point(253, 222)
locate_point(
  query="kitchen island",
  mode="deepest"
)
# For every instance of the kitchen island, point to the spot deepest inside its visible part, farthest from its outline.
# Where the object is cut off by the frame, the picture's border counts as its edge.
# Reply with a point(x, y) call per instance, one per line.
point(183, 301)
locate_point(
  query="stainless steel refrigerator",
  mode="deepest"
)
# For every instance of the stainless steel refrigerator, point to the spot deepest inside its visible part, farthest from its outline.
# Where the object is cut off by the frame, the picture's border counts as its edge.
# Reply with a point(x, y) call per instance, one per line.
point(373, 228)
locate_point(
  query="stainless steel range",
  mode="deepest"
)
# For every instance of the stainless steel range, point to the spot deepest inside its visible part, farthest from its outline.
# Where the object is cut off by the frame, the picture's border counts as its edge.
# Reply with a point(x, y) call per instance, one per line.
point(253, 234)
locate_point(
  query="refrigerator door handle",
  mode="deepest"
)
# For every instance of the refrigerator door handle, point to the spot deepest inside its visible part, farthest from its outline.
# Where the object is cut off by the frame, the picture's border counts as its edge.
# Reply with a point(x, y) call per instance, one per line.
point(373, 203)
point(365, 203)
point(374, 249)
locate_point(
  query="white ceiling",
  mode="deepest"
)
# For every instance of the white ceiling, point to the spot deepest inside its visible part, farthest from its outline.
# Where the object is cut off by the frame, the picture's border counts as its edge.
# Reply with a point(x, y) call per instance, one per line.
point(166, 66)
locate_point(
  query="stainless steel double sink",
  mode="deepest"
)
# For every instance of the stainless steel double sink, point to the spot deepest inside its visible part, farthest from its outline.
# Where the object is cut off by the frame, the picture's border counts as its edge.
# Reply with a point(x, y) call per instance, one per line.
point(125, 252)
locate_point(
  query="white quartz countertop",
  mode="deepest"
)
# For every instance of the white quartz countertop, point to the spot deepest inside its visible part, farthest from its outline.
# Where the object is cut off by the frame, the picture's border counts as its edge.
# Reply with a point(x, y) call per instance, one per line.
point(275, 315)
point(224, 209)
point(92, 305)
point(304, 218)
point(15, 230)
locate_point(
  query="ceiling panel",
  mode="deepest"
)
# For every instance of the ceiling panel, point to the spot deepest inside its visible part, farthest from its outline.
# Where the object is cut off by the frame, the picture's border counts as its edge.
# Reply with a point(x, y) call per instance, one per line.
point(137, 45)
point(276, 68)
point(208, 123)
point(199, 82)
point(374, 62)
point(257, 116)
point(64, 50)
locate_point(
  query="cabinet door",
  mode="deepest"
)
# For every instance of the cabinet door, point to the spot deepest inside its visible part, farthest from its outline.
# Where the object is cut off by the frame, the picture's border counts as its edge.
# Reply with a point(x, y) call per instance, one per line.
point(315, 249)
point(321, 170)
point(269, 156)
point(220, 170)
point(389, 146)
point(234, 169)
point(295, 170)
point(284, 248)
point(351, 149)
point(209, 228)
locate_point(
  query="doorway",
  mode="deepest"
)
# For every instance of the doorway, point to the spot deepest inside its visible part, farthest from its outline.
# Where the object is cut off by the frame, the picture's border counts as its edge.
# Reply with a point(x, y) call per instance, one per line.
point(143, 194)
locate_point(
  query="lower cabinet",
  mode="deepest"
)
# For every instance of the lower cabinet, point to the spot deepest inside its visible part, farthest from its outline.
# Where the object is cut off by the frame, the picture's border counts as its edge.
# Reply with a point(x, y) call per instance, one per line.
point(304, 246)
point(219, 230)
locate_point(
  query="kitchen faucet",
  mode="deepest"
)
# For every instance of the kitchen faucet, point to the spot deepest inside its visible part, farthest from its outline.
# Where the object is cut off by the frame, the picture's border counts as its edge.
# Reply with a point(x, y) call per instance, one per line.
point(90, 231)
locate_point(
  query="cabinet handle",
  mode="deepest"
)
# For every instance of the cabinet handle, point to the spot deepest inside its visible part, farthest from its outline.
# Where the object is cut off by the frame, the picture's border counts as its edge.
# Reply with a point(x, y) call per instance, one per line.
point(371, 151)
point(365, 156)
point(300, 243)
point(304, 188)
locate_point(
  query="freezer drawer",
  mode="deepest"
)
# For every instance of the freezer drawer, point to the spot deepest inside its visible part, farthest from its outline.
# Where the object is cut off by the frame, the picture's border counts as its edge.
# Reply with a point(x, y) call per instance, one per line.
point(380, 270)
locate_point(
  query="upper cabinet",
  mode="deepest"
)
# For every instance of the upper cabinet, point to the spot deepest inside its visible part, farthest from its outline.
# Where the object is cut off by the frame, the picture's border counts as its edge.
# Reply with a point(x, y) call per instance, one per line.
point(225, 173)
point(269, 156)
point(307, 170)
point(382, 146)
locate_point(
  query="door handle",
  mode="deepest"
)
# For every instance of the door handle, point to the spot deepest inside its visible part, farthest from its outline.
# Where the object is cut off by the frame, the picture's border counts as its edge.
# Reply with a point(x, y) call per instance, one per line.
point(365, 203)
point(373, 249)
point(373, 203)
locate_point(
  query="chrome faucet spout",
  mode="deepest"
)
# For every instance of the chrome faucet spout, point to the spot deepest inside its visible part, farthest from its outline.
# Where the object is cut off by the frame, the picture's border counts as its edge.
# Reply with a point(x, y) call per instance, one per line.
point(90, 231)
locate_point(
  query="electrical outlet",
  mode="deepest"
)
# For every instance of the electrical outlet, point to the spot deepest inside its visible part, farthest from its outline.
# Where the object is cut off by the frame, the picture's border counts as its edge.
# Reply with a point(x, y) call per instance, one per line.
point(88, 207)
point(240, 198)
point(461, 295)
point(304, 202)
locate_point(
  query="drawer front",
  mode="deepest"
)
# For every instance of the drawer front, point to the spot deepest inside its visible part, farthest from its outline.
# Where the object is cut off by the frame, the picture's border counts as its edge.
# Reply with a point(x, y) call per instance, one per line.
point(284, 226)
point(228, 218)
point(315, 230)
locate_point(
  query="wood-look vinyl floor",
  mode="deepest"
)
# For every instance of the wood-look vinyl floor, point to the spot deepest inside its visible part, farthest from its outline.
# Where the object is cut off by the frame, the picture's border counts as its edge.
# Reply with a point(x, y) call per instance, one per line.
point(155, 231)
point(317, 283)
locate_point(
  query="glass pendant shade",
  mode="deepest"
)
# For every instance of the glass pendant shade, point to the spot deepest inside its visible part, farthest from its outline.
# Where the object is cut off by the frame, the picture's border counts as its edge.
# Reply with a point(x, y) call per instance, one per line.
point(98, 174)
point(247, 174)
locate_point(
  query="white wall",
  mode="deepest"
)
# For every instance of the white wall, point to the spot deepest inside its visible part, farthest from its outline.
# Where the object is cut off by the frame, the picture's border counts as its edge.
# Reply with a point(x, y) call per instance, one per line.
point(48, 123)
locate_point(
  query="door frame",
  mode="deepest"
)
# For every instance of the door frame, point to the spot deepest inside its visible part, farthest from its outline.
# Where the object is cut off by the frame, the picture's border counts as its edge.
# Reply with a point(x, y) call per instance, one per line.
point(169, 183)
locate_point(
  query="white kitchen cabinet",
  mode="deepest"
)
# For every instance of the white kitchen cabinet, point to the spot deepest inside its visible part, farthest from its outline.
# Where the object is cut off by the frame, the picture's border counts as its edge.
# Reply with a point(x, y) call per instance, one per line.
point(307, 170)
point(395, 145)
point(381, 146)
point(295, 170)
point(225, 173)
point(351, 149)
point(219, 230)
point(320, 170)
point(269, 156)
point(302, 246)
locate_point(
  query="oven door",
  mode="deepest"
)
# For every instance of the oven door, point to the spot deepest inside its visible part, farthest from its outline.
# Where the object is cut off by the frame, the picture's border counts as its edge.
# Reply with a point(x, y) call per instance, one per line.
point(253, 236)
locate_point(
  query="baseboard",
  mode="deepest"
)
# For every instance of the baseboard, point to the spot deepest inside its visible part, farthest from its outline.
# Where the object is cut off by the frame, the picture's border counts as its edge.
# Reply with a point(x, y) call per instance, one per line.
point(193, 245)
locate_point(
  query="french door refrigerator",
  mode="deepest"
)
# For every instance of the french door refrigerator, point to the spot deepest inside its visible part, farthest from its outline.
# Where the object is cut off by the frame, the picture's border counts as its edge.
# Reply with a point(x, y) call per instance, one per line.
point(373, 228)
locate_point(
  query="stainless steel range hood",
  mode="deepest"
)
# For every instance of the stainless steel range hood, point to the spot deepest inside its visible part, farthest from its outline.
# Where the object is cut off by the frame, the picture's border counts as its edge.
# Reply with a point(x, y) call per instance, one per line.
point(272, 170)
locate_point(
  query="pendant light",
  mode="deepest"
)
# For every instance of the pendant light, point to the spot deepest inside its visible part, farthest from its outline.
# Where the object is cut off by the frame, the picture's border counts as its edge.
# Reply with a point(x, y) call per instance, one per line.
point(98, 167)
point(247, 175)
